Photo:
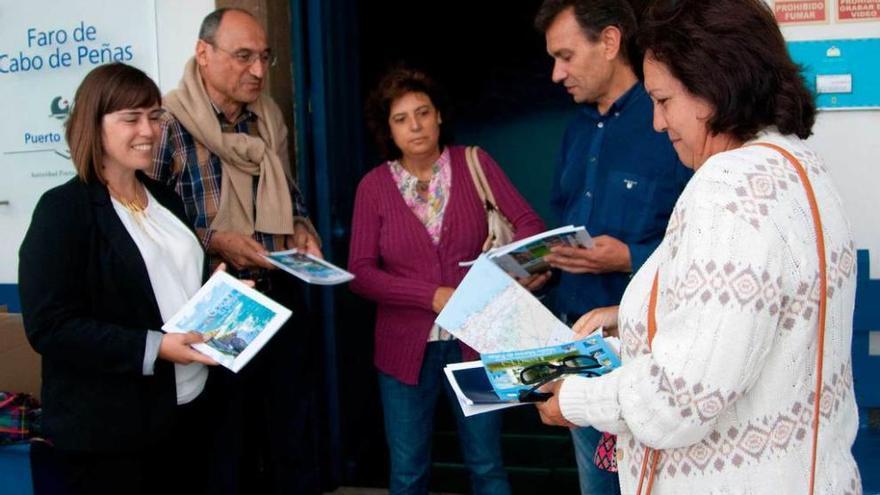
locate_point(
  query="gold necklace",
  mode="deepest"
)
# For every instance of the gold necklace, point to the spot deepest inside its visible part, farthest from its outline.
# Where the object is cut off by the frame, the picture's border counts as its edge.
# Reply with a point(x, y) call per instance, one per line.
point(134, 205)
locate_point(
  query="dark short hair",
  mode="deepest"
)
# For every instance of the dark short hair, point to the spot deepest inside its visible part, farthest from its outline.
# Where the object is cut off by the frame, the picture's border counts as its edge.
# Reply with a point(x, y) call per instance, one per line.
point(731, 54)
point(395, 84)
point(211, 23)
point(106, 89)
point(593, 16)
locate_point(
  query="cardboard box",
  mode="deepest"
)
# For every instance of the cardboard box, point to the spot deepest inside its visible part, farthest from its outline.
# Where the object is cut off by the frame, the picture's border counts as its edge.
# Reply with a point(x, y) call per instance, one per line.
point(19, 363)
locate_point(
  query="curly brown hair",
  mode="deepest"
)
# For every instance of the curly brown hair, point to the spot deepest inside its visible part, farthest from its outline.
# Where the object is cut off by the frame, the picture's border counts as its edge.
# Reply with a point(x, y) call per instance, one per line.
point(732, 54)
point(396, 83)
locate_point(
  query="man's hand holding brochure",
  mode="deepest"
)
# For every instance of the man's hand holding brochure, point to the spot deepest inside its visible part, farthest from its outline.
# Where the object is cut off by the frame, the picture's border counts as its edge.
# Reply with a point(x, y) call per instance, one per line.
point(309, 268)
point(525, 257)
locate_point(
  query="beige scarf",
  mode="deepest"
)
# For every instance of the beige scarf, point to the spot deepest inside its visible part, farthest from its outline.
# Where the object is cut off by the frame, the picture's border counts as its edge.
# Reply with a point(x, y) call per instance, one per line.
point(242, 156)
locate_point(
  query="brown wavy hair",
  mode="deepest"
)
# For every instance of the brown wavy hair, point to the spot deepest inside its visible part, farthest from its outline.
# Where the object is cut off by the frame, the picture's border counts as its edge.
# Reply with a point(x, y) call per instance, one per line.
point(396, 83)
point(732, 54)
point(106, 89)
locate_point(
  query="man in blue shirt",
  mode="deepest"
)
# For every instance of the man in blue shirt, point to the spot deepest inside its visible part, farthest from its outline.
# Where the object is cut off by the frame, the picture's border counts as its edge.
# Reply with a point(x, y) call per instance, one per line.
point(615, 174)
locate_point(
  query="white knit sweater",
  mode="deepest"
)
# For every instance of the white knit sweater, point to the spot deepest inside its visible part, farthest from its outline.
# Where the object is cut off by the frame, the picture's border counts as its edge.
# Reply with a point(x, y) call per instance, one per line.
point(727, 392)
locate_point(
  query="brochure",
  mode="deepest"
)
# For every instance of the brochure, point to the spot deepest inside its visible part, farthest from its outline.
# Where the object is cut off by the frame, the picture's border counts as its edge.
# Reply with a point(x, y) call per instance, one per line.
point(236, 319)
point(526, 256)
point(513, 372)
point(497, 381)
point(492, 312)
point(309, 268)
point(473, 389)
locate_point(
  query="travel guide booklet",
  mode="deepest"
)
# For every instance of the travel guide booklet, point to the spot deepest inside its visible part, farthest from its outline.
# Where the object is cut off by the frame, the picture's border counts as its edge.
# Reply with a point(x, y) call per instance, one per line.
point(512, 372)
point(309, 268)
point(492, 312)
point(497, 380)
point(526, 256)
point(236, 319)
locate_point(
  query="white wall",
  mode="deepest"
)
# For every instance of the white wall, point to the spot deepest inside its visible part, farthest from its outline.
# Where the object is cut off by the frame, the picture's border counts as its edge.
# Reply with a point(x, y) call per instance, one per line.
point(177, 28)
point(849, 141)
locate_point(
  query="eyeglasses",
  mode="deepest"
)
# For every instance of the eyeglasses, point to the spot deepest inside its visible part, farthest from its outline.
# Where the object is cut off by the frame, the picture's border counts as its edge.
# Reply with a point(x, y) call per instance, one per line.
point(540, 374)
point(248, 57)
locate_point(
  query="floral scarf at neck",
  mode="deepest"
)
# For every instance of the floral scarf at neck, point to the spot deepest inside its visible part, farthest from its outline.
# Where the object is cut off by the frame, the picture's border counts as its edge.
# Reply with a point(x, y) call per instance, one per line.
point(429, 206)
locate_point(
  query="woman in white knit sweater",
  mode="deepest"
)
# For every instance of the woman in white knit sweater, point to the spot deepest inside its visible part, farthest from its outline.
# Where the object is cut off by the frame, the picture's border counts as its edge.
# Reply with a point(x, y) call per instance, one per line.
point(725, 393)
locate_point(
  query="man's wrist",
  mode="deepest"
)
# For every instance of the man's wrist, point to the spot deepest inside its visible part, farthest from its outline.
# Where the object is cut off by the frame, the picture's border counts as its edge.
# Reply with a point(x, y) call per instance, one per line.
point(304, 222)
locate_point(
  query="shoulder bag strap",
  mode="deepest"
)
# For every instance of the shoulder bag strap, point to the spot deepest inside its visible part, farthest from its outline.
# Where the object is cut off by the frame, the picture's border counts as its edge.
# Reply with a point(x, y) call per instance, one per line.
point(653, 455)
point(820, 350)
point(823, 297)
point(479, 177)
point(473, 167)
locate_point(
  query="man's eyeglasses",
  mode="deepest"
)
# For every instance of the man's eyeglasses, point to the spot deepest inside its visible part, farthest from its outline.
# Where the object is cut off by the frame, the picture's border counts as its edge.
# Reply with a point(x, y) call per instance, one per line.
point(248, 57)
point(540, 374)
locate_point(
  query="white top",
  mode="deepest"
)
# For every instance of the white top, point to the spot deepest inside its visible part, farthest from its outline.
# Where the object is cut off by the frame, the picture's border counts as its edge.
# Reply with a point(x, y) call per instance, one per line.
point(174, 258)
point(727, 392)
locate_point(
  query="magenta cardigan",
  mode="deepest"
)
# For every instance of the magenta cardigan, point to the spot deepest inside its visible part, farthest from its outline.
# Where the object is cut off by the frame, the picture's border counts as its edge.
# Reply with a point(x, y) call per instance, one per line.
point(397, 266)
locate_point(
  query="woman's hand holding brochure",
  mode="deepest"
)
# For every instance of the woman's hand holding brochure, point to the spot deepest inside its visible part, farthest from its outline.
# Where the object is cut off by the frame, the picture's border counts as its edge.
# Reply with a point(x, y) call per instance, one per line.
point(551, 413)
point(599, 318)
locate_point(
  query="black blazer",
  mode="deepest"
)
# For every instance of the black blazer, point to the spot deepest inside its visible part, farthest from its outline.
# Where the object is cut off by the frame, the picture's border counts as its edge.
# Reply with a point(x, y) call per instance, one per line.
point(87, 304)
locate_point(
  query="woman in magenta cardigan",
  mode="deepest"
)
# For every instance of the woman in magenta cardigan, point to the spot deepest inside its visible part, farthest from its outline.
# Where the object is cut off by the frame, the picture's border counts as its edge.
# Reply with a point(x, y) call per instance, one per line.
point(416, 216)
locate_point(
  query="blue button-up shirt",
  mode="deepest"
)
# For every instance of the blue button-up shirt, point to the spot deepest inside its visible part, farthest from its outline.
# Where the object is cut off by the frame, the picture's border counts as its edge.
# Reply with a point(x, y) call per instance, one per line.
point(616, 176)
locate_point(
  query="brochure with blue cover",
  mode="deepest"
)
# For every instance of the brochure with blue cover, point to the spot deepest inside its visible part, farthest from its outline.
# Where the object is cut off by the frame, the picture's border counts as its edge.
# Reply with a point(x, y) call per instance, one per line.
point(512, 372)
point(473, 389)
point(475, 385)
point(308, 268)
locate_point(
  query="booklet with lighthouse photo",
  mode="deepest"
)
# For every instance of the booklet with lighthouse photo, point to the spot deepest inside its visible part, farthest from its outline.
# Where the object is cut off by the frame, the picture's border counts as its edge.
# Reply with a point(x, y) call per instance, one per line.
point(236, 319)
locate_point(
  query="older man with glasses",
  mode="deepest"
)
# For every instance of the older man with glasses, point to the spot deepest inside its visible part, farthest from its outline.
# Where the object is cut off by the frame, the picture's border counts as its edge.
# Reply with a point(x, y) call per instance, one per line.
point(223, 147)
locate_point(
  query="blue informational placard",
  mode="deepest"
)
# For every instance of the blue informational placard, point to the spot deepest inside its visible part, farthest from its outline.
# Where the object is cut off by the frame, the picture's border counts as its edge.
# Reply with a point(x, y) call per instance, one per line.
point(866, 320)
point(845, 74)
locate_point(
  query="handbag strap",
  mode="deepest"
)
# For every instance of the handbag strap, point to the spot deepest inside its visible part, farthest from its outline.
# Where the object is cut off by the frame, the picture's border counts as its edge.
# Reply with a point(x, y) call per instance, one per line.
point(650, 453)
point(479, 178)
point(820, 351)
point(823, 297)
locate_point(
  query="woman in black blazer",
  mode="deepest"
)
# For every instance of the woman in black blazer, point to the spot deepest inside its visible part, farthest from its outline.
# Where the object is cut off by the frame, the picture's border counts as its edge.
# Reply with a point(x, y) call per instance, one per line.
point(107, 258)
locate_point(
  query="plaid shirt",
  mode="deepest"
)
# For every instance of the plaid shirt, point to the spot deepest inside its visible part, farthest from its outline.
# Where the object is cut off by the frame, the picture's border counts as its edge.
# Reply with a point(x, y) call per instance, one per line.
point(195, 173)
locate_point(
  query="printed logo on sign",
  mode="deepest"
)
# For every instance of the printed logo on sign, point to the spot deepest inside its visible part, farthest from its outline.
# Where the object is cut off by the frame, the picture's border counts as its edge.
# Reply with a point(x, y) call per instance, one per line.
point(49, 139)
point(59, 108)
